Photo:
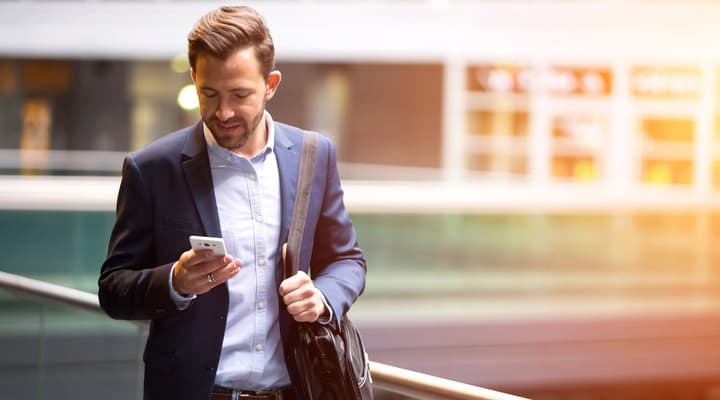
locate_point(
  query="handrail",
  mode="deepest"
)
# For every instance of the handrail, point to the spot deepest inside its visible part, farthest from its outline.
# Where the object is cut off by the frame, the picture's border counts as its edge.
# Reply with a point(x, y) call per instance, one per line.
point(50, 291)
point(429, 387)
point(387, 377)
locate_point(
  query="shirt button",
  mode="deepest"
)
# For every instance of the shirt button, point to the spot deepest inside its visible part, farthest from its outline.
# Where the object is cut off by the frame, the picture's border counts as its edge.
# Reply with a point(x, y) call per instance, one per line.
point(252, 177)
point(261, 262)
point(258, 218)
point(259, 347)
point(261, 306)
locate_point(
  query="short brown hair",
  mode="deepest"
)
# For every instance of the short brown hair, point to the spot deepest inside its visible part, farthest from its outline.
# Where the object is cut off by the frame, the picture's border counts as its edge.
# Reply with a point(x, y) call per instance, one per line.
point(226, 30)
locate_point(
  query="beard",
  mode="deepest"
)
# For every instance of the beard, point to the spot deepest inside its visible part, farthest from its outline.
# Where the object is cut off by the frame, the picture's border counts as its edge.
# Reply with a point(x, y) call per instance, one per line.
point(240, 135)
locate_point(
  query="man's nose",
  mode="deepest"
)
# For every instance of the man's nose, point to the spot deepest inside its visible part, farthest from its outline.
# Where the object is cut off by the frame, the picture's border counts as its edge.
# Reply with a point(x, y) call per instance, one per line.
point(224, 112)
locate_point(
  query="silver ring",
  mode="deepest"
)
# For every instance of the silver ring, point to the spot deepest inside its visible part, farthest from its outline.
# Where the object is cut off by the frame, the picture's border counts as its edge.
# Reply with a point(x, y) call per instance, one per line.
point(211, 278)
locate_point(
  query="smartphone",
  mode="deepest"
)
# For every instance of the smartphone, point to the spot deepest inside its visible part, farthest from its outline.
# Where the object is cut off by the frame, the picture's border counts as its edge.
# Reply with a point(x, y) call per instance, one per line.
point(216, 244)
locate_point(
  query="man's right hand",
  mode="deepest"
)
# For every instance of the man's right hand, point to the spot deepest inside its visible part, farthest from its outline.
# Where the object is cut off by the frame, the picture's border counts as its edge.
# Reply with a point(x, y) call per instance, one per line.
point(198, 272)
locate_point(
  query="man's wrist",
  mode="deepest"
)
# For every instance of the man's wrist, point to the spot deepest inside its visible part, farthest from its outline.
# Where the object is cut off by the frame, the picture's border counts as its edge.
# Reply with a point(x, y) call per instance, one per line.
point(180, 300)
point(327, 316)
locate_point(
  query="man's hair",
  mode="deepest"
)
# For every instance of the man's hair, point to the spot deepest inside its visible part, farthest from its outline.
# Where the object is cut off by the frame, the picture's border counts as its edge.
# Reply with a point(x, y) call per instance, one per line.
point(225, 30)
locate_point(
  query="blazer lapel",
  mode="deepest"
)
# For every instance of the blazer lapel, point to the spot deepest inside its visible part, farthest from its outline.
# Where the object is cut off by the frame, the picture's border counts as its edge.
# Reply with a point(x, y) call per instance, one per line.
point(196, 166)
point(288, 160)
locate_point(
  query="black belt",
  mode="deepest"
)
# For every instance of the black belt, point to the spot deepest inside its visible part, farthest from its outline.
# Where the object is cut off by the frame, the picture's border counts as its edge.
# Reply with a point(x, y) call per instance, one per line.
point(223, 393)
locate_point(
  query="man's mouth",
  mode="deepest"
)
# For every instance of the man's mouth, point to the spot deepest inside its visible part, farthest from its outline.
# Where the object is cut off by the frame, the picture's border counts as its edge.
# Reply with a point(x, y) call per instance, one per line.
point(227, 125)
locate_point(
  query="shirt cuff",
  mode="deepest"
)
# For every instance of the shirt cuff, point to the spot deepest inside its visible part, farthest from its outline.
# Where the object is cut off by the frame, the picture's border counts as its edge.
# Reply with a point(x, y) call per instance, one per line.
point(181, 302)
point(325, 319)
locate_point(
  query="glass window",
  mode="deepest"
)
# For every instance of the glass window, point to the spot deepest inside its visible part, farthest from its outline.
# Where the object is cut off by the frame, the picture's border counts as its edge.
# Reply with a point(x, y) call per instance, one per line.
point(497, 118)
point(578, 141)
point(72, 116)
point(667, 171)
point(498, 163)
point(497, 122)
point(667, 150)
point(667, 129)
point(580, 168)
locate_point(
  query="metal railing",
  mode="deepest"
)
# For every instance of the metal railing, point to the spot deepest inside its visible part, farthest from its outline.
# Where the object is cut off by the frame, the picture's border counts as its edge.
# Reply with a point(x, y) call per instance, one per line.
point(393, 379)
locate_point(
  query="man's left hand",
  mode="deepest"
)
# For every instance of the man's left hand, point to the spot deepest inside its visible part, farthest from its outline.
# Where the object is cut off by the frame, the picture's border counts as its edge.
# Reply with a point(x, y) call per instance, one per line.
point(303, 300)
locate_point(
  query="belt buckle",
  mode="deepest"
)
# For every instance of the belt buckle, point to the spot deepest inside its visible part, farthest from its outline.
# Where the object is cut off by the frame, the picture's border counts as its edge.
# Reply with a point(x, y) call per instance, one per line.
point(269, 394)
point(272, 394)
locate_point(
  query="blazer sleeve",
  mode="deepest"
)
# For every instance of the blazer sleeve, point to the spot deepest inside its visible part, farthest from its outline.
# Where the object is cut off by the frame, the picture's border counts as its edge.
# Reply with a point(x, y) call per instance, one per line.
point(338, 264)
point(130, 286)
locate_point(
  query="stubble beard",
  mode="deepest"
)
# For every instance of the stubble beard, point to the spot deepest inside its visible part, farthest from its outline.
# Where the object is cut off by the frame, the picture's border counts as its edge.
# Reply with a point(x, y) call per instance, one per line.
point(232, 141)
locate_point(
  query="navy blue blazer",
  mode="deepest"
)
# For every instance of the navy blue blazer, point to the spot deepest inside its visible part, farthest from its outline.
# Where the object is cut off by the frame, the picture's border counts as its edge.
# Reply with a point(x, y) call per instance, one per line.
point(166, 194)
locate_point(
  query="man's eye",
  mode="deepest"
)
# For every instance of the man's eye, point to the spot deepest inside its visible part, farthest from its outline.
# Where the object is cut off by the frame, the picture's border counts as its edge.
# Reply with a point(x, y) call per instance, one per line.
point(208, 95)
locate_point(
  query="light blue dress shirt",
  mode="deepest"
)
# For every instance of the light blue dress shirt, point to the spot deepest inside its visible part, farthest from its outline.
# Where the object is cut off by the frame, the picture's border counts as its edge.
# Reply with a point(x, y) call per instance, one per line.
point(247, 192)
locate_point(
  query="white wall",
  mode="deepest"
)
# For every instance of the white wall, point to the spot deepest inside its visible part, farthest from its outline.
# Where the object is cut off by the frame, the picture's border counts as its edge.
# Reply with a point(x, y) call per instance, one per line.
point(433, 30)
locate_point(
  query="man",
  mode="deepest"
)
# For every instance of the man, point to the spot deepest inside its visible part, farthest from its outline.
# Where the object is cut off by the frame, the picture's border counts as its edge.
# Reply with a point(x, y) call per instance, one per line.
point(221, 327)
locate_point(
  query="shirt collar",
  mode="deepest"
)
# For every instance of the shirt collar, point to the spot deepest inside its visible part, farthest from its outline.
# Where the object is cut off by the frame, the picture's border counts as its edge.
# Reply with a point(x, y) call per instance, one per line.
point(215, 150)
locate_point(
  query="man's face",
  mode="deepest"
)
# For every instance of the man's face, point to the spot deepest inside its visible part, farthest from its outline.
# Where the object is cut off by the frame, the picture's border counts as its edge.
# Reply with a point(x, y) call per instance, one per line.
point(232, 94)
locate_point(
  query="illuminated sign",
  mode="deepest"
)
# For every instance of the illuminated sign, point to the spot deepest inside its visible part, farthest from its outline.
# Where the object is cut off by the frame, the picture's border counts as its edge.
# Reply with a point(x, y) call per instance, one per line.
point(583, 81)
point(499, 79)
point(556, 80)
point(665, 82)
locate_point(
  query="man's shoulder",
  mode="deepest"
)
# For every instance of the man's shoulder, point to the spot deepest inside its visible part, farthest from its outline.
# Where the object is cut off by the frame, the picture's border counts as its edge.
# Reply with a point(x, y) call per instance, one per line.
point(294, 134)
point(289, 131)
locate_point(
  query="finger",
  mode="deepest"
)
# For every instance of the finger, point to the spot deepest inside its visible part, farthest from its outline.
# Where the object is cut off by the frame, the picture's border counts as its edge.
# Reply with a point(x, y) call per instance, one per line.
point(299, 307)
point(216, 277)
point(306, 311)
point(300, 294)
point(189, 278)
point(294, 282)
point(189, 257)
point(308, 316)
point(199, 275)
point(192, 257)
point(212, 264)
point(225, 272)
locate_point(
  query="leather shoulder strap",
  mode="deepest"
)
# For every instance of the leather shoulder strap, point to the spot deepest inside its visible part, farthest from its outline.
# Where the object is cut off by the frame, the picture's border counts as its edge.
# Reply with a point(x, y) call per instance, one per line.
point(300, 206)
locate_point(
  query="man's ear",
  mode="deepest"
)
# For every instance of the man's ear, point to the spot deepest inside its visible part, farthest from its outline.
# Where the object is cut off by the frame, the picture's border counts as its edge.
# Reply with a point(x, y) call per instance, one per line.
point(273, 81)
point(192, 75)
